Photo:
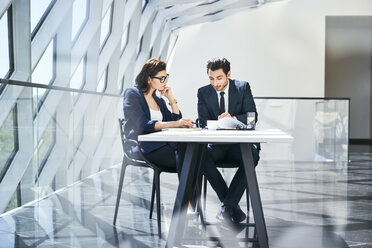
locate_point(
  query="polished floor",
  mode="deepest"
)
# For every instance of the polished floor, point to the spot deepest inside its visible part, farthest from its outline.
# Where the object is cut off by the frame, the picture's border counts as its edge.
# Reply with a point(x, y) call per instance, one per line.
point(305, 205)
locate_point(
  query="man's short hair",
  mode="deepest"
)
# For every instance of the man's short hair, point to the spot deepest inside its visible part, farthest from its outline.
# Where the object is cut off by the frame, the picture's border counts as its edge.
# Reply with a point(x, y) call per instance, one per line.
point(218, 63)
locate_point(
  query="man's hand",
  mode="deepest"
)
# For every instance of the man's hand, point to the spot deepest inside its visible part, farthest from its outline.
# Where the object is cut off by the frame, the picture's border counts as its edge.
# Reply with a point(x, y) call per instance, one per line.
point(226, 114)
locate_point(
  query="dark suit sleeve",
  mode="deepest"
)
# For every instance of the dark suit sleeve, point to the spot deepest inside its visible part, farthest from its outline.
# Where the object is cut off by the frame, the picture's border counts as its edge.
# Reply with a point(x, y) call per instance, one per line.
point(248, 104)
point(202, 109)
point(134, 110)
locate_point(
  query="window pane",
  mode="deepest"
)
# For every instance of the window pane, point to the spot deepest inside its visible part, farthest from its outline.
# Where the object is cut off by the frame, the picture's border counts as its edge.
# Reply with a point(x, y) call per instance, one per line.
point(13, 203)
point(78, 135)
point(101, 87)
point(79, 16)
point(44, 71)
point(46, 143)
point(38, 8)
point(7, 140)
point(139, 47)
point(124, 38)
point(77, 79)
point(105, 27)
point(4, 46)
point(144, 4)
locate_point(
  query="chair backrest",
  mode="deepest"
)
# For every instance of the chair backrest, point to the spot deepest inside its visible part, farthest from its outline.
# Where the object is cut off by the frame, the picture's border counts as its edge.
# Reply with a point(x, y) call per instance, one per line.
point(122, 135)
point(140, 159)
point(126, 143)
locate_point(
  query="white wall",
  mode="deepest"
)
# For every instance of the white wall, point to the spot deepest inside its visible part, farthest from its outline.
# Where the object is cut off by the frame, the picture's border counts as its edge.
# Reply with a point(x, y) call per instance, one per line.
point(279, 48)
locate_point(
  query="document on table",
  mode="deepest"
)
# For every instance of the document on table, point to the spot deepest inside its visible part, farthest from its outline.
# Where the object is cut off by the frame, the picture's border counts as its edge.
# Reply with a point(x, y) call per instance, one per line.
point(182, 129)
point(230, 123)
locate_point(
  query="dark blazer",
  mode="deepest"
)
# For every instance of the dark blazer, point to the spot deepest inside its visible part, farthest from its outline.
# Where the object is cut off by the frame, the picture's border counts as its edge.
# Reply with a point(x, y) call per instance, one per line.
point(137, 119)
point(240, 102)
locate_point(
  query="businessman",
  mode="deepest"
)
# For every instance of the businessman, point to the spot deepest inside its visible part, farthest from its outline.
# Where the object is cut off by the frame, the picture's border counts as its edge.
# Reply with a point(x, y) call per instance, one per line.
point(225, 97)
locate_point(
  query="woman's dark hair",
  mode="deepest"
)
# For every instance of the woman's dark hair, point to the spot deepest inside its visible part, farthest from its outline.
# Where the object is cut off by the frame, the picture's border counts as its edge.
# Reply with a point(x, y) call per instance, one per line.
point(149, 69)
point(218, 63)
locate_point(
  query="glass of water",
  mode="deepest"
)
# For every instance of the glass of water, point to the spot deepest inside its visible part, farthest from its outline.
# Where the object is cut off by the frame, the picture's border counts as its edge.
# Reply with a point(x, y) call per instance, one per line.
point(251, 120)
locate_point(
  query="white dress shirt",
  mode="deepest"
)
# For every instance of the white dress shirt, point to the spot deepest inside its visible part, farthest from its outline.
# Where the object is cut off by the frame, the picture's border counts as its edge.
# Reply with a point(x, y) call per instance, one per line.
point(156, 115)
point(226, 97)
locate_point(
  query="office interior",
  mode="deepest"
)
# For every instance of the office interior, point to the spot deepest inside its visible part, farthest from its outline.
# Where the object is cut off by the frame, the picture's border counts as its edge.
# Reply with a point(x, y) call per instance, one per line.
point(64, 66)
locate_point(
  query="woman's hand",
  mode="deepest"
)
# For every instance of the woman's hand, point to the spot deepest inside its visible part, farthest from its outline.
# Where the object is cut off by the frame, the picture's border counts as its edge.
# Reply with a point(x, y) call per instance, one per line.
point(167, 92)
point(184, 122)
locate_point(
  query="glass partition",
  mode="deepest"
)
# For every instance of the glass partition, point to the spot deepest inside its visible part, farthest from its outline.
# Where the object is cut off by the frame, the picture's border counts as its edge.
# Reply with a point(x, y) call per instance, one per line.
point(69, 138)
point(320, 128)
point(64, 141)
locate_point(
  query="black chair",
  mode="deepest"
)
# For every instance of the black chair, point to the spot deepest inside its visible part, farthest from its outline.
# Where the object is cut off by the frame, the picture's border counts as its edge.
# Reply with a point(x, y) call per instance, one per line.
point(141, 162)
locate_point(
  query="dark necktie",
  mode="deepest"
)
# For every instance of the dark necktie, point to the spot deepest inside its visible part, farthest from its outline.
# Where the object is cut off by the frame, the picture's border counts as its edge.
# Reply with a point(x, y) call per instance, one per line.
point(222, 102)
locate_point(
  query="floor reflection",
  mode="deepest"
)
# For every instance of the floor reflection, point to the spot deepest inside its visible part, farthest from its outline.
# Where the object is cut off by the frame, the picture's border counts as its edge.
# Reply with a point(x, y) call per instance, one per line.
point(305, 205)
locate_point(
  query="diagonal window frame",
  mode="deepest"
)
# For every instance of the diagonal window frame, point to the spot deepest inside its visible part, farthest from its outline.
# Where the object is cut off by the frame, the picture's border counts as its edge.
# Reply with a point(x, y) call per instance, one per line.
point(42, 19)
point(84, 60)
point(54, 73)
point(83, 24)
point(110, 12)
point(45, 158)
point(103, 81)
point(124, 39)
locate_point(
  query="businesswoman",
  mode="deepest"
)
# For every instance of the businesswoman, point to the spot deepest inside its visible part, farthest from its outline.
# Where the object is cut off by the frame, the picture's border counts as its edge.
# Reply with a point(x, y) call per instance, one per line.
point(146, 112)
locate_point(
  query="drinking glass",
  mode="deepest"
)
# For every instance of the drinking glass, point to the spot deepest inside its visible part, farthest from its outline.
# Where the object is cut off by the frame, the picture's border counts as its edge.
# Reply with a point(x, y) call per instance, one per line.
point(251, 120)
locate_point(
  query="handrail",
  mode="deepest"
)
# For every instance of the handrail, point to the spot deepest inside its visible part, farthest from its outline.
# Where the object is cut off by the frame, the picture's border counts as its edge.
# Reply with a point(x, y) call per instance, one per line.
point(35, 85)
point(302, 98)
point(67, 89)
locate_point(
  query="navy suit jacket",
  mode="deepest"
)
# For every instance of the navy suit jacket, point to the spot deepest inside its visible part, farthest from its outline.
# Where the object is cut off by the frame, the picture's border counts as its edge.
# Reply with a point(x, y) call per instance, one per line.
point(240, 102)
point(137, 119)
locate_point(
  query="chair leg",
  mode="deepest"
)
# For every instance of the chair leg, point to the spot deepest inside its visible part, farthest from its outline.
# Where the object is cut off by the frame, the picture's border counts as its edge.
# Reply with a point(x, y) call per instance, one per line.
point(205, 193)
point(121, 181)
point(247, 196)
point(152, 195)
point(157, 184)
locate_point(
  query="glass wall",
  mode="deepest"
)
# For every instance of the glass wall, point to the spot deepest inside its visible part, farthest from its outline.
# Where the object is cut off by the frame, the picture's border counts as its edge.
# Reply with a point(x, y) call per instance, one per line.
point(70, 139)
point(64, 142)
point(60, 124)
point(73, 60)
point(320, 128)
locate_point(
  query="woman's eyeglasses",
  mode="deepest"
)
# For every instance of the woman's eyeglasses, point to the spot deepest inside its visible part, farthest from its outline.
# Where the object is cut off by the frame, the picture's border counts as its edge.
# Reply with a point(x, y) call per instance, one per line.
point(162, 79)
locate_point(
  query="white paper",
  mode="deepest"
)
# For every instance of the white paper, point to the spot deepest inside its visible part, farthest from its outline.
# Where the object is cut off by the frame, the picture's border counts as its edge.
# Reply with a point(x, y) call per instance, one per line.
point(230, 123)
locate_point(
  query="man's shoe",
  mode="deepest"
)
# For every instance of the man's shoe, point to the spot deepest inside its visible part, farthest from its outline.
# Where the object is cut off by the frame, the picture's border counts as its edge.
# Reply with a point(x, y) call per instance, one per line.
point(237, 215)
point(224, 214)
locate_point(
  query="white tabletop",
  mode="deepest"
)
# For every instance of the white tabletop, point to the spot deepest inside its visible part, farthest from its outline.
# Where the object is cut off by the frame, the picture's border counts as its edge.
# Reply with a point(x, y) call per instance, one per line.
point(219, 136)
